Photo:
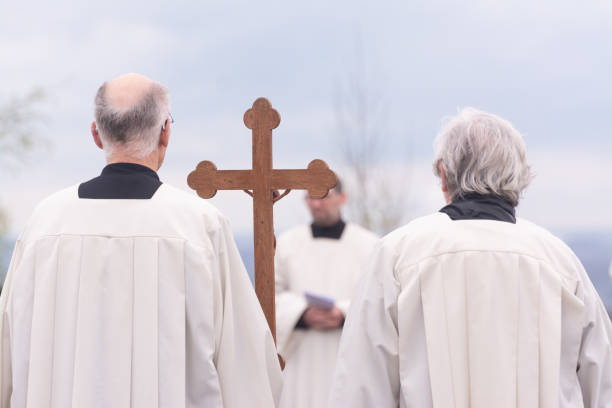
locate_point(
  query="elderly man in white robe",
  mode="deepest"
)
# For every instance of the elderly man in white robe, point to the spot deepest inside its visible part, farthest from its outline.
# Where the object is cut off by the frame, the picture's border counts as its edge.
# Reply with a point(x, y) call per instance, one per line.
point(470, 306)
point(317, 269)
point(126, 292)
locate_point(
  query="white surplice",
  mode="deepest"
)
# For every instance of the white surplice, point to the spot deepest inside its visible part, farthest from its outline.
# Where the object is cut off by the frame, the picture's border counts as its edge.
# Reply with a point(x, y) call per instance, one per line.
point(132, 303)
point(323, 266)
point(474, 313)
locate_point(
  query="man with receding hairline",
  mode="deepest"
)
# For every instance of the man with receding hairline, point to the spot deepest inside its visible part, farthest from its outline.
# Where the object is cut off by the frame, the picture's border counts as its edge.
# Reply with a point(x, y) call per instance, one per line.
point(126, 292)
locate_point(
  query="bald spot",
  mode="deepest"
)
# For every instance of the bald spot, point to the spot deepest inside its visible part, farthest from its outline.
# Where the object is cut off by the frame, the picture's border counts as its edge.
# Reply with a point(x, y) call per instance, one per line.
point(127, 90)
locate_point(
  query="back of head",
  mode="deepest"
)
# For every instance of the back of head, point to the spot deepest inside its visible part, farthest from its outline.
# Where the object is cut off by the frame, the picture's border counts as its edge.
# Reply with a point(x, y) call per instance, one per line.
point(482, 153)
point(130, 111)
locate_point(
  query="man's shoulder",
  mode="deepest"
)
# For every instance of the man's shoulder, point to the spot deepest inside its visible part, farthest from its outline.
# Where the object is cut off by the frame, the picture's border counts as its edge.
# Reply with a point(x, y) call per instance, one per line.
point(418, 228)
point(356, 231)
point(294, 237)
point(188, 209)
point(438, 224)
point(532, 228)
point(547, 243)
point(437, 234)
point(171, 212)
point(175, 197)
point(56, 201)
point(299, 232)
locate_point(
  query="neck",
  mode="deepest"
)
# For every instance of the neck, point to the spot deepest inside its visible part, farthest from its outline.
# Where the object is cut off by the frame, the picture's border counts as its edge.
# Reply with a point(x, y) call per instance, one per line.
point(328, 223)
point(481, 207)
point(151, 161)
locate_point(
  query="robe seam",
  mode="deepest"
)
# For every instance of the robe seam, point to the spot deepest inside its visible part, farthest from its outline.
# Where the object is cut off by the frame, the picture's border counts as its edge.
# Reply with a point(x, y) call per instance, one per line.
point(401, 267)
point(467, 340)
point(204, 245)
point(132, 342)
point(539, 335)
point(184, 326)
point(158, 315)
point(27, 376)
point(517, 334)
point(76, 321)
point(448, 343)
point(57, 269)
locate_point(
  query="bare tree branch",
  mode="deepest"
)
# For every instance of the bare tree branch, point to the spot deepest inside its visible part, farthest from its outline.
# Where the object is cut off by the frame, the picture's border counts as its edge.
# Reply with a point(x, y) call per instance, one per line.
point(361, 112)
point(19, 119)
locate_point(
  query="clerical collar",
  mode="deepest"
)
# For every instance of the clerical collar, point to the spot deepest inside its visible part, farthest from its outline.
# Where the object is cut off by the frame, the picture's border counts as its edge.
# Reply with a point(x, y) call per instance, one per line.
point(481, 207)
point(122, 181)
point(331, 231)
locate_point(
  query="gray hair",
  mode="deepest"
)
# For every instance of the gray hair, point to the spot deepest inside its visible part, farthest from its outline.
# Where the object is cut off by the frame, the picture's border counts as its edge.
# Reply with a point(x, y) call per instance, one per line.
point(339, 188)
point(135, 129)
point(482, 153)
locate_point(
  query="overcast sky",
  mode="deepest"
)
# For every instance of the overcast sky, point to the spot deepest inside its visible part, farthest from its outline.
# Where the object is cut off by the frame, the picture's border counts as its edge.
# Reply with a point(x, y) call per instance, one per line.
point(544, 65)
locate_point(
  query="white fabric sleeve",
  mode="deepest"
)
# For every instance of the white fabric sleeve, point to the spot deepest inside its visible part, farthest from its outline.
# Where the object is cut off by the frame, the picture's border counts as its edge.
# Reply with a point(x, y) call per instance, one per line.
point(367, 369)
point(595, 359)
point(246, 360)
point(6, 384)
point(344, 305)
point(289, 306)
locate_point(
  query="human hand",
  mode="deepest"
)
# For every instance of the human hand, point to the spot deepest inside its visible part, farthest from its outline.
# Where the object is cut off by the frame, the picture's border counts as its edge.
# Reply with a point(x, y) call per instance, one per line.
point(323, 319)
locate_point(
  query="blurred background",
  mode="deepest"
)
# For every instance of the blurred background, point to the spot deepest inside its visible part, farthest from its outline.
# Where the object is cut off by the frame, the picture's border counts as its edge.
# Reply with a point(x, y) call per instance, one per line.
point(362, 85)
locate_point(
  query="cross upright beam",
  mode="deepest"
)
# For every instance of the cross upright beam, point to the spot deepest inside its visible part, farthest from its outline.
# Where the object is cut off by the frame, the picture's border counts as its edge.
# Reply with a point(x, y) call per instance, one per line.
point(261, 182)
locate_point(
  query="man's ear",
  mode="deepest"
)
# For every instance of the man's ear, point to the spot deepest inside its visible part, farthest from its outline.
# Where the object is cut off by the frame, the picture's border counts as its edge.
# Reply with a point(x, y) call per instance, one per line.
point(443, 177)
point(444, 180)
point(96, 135)
point(164, 136)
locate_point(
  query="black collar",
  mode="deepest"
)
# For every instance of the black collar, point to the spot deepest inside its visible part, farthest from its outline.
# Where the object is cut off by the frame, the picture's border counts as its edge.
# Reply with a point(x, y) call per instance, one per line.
point(481, 207)
point(332, 231)
point(122, 181)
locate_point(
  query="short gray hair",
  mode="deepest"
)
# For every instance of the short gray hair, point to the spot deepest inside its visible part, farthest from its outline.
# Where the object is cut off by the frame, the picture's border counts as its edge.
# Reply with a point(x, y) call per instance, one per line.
point(482, 153)
point(135, 128)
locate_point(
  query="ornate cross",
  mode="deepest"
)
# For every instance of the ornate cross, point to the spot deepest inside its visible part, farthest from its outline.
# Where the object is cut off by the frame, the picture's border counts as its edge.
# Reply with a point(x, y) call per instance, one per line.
point(262, 183)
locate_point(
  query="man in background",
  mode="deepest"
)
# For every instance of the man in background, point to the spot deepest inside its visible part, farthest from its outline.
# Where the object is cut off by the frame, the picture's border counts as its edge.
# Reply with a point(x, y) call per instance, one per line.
point(126, 292)
point(317, 269)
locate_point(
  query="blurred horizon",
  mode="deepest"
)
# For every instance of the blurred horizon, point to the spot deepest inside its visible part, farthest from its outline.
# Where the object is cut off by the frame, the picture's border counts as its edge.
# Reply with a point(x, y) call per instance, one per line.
point(593, 249)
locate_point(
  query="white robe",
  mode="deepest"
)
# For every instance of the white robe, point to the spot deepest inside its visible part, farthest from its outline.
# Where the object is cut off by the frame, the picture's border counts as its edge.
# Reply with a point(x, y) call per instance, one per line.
point(132, 303)
point(474, 313)
point(322, 266)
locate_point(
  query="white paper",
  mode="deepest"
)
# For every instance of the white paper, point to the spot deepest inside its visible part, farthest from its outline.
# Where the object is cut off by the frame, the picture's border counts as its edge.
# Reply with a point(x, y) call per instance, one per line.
point(321, 301)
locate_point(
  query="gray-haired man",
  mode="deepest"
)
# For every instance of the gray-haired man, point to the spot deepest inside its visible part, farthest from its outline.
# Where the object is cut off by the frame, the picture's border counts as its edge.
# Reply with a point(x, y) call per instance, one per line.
point(470, 306)
point(124, 291)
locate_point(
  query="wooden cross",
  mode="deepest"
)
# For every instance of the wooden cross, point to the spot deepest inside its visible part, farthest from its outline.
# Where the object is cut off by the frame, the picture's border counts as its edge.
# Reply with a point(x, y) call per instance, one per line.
point(262, 183)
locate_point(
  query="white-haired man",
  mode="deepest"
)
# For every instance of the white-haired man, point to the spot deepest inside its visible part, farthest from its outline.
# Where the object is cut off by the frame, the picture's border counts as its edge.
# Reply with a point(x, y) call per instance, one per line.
point(126, 292)
point(472, 307)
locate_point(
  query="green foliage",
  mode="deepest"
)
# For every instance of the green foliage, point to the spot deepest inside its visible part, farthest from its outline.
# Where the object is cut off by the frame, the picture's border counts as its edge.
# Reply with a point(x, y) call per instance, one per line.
point(376, 194)
point(19, 118)
point(19, 121)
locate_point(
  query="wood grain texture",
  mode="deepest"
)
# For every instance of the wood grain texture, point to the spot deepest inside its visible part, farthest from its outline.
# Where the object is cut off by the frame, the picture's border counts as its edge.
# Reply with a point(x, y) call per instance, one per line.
point(318, 179)
point(262, 181)
point(206, 179)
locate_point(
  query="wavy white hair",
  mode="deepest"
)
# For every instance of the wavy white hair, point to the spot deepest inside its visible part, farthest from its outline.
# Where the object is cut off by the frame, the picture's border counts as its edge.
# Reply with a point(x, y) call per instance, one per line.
point(134, 130)
point(482, 153)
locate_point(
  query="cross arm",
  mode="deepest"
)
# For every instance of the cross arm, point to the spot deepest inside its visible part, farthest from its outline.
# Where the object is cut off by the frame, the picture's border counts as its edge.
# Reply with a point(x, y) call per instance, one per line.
point(318, 179)
point(206, 179)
